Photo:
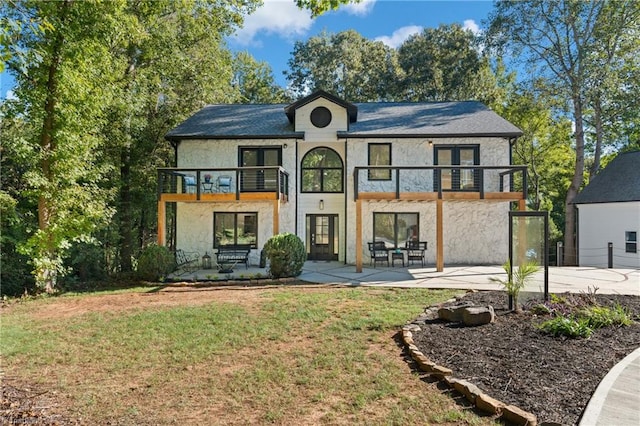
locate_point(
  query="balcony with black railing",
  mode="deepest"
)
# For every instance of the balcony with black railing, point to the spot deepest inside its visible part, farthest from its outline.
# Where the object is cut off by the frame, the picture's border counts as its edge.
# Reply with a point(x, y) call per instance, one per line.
point(507, 183)
point(223, 184)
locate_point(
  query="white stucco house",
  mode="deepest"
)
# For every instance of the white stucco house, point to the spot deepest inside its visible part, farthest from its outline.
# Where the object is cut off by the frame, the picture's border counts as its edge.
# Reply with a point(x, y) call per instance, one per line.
point(340, 175)
point(609, 212)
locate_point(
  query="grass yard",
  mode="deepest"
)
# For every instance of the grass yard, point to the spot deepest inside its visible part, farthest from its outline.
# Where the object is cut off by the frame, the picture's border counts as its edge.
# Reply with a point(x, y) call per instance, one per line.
point(282, 355)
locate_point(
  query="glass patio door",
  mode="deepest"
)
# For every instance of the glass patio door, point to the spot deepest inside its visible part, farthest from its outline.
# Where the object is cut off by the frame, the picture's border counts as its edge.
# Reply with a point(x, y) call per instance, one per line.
point(457, 179)
point(260, 180)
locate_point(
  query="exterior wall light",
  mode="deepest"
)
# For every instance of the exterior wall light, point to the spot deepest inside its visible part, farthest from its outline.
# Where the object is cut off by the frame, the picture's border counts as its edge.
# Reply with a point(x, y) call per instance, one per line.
point(206, 261)
point(321, 205)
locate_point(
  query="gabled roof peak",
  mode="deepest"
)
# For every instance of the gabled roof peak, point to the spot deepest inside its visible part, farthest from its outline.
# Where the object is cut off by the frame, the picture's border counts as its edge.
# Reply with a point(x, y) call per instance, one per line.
point(352, 110)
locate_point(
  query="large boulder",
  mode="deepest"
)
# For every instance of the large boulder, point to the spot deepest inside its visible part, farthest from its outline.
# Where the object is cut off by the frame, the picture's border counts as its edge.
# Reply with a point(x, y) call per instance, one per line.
point(453, 313)
point(478, 315)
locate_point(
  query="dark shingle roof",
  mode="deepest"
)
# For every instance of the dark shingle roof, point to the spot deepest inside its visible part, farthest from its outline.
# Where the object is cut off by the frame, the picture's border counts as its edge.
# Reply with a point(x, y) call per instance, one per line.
point(377, 119)
point(430, 119)
point(619, 181)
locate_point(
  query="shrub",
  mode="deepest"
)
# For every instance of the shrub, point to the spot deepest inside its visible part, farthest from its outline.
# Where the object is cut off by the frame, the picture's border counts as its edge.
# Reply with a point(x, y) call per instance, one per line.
point(286, 254)
point(586, 320)
point(155, 262)
point(563, 326)
point(601, 316)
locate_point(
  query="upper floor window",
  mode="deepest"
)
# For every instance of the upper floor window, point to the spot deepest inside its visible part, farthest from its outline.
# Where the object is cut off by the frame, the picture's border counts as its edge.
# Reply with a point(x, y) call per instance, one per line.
point(631, 242)
point(320, 117)
point(322, 171)
point(458, 155)
point(380, 155)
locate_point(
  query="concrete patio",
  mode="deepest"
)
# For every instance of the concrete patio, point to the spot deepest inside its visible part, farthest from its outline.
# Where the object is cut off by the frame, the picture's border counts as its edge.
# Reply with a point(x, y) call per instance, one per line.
point(463, 277)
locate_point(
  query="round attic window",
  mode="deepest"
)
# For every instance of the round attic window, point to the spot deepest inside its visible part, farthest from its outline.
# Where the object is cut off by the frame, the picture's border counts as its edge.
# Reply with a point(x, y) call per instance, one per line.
point(320, 117)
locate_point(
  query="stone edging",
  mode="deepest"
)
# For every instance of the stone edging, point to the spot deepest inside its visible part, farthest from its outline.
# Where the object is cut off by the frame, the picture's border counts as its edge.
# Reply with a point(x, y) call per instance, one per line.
point(473, 394)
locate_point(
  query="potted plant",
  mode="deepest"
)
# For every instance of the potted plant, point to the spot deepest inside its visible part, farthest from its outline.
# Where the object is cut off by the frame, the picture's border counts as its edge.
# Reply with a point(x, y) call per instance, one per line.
point(207, 178)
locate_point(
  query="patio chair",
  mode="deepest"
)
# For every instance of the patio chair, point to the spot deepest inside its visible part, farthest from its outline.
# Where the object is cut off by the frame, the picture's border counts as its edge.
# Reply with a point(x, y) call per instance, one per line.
point(416, 251)
point(378, 252)
point(223, 183)
point(189, 184)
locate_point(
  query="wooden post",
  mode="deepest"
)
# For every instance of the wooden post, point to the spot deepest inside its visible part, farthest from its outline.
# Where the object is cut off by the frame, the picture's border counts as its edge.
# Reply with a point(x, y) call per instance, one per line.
point(358, 235)
point(439, 237)
point(276, 217)
point(162, 218)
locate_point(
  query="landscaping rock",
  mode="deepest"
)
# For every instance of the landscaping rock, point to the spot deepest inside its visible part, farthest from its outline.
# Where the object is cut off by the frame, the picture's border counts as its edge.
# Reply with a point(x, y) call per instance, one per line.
point(478, 315)
point(519, 417)
point(453, 313)
point(469, 390)
point(489, 405)
point(430, 314)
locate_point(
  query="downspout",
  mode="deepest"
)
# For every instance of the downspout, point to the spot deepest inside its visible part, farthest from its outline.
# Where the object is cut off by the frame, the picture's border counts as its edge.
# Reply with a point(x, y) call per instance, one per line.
point(346, 197)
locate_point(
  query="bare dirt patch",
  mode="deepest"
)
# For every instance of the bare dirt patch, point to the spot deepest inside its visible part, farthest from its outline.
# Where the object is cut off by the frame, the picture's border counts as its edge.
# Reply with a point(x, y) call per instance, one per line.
point(161, 297)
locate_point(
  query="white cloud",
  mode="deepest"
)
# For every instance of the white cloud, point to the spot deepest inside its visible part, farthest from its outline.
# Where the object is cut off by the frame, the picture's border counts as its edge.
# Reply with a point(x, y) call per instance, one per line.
point(470, 24)
point(281, 17)
point(399, 36)
point(359, 9)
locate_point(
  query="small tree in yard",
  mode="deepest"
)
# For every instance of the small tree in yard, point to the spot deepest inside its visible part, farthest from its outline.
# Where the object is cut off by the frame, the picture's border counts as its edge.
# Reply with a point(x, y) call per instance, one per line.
point(286, 254)
point(517, 279)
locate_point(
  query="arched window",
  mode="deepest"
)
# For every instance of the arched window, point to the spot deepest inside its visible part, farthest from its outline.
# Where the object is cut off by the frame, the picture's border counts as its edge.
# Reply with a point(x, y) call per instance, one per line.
point(322, 171)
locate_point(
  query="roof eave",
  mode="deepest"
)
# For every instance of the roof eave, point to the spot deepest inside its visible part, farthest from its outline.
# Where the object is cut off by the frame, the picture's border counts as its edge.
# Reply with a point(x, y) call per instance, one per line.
point(178, 138)
point(507, 135)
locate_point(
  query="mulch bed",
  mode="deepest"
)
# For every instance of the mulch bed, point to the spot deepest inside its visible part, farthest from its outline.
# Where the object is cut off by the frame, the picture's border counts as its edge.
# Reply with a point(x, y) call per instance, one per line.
point(514, 362)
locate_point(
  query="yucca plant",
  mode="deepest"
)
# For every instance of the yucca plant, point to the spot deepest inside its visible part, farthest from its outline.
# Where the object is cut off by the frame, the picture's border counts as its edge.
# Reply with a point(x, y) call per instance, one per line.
point(516, 279)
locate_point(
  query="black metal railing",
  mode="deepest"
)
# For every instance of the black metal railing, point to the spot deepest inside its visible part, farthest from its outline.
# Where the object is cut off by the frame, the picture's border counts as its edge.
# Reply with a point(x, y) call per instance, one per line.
point(441, 179)
point(174, 180)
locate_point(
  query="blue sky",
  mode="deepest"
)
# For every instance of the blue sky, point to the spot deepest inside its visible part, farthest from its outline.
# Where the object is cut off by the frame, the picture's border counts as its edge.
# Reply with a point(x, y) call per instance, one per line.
point(270, 33)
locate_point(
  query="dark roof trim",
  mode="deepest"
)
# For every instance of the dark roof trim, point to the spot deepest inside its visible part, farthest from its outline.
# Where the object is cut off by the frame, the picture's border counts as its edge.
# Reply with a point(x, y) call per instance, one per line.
point(343, 134)
point(352, 110)
point(584, 203)
point(294, 135)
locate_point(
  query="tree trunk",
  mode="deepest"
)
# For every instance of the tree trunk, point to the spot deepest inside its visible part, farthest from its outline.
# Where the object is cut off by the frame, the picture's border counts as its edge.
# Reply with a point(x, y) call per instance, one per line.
point(126, 225)
point(597, 113)
point(47, 256)
point(570, 257)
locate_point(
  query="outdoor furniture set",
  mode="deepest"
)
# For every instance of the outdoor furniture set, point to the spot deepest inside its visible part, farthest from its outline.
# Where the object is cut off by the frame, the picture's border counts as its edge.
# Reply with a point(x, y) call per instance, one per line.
point(227, 257)
point(221, 184)
point(380, 253)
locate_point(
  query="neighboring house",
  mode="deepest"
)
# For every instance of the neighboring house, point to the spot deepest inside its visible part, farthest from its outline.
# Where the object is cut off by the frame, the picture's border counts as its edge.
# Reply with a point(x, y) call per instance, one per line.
point(340, 175)
point(609, 212)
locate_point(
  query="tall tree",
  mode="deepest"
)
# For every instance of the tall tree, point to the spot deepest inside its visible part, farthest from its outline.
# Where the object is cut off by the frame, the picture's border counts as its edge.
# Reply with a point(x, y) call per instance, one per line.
point(61, 93)
point(440, 64)
point(254, 81)
point(100, 81)
point(545, 147)
point(613, 73)
point(346, 64)
point(318, 7)
point(171, 61)
point(557, 40)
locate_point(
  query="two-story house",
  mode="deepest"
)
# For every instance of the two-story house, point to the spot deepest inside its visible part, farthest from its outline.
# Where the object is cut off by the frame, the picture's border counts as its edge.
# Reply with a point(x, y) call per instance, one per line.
point(341, 175)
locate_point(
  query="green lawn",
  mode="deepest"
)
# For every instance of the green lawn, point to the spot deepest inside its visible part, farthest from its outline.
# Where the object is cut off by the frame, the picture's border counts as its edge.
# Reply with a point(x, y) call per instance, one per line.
point(288, 355)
